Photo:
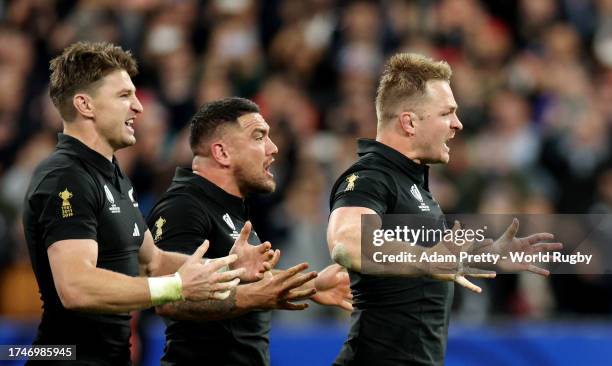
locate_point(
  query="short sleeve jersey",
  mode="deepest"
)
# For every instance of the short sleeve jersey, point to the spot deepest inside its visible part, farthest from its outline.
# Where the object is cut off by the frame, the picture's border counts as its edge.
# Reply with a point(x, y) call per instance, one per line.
point(396, 320)
point(77, 193)
point(192, 210)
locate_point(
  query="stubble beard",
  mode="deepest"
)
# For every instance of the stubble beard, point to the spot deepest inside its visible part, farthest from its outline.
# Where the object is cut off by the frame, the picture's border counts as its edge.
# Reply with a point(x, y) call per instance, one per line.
point(249, 182)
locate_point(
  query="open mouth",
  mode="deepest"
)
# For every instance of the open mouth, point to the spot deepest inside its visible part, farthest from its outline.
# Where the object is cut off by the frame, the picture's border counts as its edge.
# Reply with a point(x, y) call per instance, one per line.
point(446, 142)
point(267, 169)
point(130, 124)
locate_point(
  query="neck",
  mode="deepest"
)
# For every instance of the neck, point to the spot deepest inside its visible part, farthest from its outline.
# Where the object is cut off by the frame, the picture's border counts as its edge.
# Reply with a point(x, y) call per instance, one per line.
point(85, 132)
point(219, 175)
point(401, 143)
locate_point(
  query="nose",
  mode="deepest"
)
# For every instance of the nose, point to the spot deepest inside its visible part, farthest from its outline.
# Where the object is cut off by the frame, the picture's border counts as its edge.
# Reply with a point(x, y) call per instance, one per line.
point(272, 148)
point(136, 106)
point(456, 123)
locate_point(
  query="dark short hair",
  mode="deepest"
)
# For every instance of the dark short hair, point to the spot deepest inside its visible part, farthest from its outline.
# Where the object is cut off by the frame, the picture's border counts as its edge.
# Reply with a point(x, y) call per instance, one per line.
point(79, 66)
point(207, 121)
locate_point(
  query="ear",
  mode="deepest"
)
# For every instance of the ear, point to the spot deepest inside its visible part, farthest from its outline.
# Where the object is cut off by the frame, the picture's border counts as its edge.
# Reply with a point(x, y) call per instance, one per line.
point(83, 104)
point(220, 153)
point(407, 122)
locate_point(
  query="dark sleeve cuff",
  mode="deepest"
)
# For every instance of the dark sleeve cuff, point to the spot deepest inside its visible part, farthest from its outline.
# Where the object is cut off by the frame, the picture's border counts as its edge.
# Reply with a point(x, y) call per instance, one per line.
point(355, 199)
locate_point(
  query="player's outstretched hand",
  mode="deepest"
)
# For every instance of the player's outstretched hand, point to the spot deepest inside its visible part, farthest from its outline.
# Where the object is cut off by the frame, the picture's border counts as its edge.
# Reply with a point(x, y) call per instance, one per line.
point(280, 290)
point(255, 259)
point(333, 287)
point(456, 270)
point(460, 277)
point(205, 281)
point(531, 244)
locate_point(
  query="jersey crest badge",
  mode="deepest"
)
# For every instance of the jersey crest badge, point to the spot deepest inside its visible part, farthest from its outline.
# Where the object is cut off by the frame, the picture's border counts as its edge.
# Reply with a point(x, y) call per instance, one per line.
point(65, 195)
point(351, 182)
point(159, 224)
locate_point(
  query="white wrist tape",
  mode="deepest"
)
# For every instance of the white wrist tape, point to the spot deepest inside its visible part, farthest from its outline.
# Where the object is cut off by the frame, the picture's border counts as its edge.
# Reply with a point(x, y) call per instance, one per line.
point(166, 289)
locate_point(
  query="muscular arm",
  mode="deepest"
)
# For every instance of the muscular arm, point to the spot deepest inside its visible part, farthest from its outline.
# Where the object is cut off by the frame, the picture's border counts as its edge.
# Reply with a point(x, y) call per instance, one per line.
point(234, 305)
point(278, 291)
point(344, 242)
point(84, 287)
point(157, 262)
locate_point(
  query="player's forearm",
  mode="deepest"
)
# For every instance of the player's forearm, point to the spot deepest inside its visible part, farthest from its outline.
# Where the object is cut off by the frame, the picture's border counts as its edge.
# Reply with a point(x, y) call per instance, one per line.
point(105, 291)
point(350, 257)
point(236, 304)
point(166, 263)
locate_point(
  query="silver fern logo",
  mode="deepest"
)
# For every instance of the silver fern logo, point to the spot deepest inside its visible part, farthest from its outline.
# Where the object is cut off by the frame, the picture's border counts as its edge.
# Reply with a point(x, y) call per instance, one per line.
point(416, 193)
point(109, 196)
point(229, 222)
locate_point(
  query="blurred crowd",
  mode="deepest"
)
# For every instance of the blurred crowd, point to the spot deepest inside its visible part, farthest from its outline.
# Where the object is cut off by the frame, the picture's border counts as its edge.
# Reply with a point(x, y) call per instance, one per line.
point(533, 80)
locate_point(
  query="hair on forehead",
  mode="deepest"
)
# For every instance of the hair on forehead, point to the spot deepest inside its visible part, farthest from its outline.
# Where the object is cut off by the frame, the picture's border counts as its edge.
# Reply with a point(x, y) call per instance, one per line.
point(212, 116)
point(81, 65)
point(405, 76)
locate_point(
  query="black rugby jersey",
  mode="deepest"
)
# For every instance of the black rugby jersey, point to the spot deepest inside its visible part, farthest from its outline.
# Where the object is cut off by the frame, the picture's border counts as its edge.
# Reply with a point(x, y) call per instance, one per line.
point(77, 193)
point(396, 321)
point(194, 209)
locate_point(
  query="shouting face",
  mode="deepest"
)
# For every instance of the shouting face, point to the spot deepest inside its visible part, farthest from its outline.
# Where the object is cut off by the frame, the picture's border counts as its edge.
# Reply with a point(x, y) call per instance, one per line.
point(252, 153)
point(436, 123)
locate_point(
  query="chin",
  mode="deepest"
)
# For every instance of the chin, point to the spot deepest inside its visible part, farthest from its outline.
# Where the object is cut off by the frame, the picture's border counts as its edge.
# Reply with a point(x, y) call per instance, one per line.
point(267, 187)
point(264, 186)
point(127, 140)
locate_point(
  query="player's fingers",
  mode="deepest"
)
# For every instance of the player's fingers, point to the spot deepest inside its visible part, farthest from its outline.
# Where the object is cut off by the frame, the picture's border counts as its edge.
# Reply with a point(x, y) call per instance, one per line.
point(221, 295)
point(467, 284)
point(199, 253)
point(275, 258)
point(244, 233)
point(298, 280)
point(545, 247)
point(537, 270)
point(263, 247)
point(291, 306)
point(483, 275)
point(229, 275)
point(219, 263)
point(538, 237)
point(298, 295)
point(346, 305)
point(473, 271)
point(290, 272)
point(512, 229)
point(225, 286)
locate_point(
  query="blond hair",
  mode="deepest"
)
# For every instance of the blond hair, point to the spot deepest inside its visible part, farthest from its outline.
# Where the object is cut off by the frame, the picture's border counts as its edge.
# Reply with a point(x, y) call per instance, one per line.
point(404, 78)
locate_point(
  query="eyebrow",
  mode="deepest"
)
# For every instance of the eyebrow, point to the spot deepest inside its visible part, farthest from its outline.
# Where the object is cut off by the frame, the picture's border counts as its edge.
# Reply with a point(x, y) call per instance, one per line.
point(126, 90)
point(263, 131)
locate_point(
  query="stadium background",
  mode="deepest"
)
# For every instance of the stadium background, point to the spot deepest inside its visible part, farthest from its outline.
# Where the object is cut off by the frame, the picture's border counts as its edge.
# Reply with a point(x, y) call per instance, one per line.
point(533, 80)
